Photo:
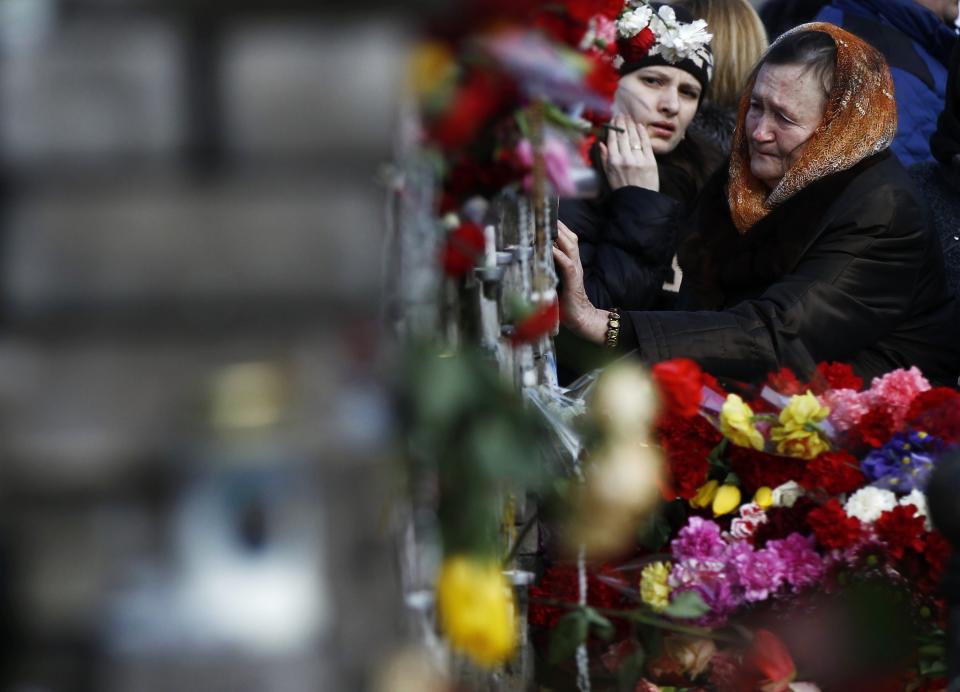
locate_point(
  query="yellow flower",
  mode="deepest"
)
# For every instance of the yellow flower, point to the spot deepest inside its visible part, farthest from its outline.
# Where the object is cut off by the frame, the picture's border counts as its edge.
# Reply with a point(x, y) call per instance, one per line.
point(476, 609)
point(705, 495)
point(764, 497)
point(726, 500)
point(736, 422)
point(797, 434)
point(654, 589)
point(431, 66)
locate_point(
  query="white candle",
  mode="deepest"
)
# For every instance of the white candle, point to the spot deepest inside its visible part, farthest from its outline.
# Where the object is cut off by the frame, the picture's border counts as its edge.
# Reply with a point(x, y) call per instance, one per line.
point(490, 246)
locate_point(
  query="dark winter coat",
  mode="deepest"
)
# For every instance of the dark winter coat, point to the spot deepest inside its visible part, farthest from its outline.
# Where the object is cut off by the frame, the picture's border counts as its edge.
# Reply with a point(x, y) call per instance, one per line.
point(846, 270)
point(940, 186)
point(628, 237)
point(917, 45)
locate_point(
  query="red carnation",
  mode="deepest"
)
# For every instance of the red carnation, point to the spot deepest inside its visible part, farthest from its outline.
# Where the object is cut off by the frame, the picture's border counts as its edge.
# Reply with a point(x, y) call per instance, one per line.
point(873, 430)
point(901, 528)
point(832, 527)
point(836, 376)
point(463, 248)
point(680, 384)
point(560, 582)
point(936, 551)
point(834, 472)
point(473, 105)
point(542, 321)
point(687, 443)
point(936, 411)
point(602, 77)
point(560, 27)
point(758, 469)
point(636, 48)
point(785, 382)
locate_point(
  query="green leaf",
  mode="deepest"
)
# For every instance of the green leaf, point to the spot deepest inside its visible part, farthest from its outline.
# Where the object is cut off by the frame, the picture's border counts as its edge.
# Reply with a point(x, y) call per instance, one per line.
point(630, 670)
point(687, 605)
point(602, 626)
point(570, 632)
point(656, 533)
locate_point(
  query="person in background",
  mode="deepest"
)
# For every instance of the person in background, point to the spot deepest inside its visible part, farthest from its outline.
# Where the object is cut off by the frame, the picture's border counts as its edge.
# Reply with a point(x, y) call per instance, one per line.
point(939, 180)
point(916, 37)
point(812, 246)
point(779, 16)
point(739, 41)
point(650, 169)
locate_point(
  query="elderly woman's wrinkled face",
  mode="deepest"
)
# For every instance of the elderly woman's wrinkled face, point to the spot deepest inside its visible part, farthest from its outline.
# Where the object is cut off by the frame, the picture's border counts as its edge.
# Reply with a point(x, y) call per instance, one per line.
point(663, 99)
point(786, 107)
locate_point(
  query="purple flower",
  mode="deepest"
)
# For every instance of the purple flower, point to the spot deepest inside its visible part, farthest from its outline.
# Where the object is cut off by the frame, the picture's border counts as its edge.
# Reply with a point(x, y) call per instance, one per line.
point(713, 581)
point(802, 565)
point(904, 463)
point(760, 572)
point(700, 539)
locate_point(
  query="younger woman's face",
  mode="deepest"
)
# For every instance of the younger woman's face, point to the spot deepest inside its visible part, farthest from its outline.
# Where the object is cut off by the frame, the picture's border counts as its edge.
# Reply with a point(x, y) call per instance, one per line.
point(663, 99)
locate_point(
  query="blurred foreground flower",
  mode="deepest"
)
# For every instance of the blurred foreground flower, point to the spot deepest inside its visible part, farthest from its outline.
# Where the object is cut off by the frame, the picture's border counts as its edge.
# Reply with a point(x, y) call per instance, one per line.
point(476, 609)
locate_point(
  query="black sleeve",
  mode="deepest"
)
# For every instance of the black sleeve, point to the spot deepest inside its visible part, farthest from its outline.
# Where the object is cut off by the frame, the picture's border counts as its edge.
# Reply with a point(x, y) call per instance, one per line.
point(851, 287)
point(628, 249)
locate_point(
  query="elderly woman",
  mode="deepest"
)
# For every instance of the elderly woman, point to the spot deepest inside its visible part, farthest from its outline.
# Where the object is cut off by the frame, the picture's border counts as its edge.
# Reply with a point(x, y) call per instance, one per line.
point(650, 169)
point(811, 246)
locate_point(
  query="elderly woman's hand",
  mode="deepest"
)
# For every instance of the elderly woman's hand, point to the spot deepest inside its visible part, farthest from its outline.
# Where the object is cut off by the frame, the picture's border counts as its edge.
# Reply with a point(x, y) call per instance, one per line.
point(576, 311)
point(628, 156)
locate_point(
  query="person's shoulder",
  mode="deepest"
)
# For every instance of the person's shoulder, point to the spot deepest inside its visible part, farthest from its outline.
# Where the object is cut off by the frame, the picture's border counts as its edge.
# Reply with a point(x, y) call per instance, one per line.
point(879, 189)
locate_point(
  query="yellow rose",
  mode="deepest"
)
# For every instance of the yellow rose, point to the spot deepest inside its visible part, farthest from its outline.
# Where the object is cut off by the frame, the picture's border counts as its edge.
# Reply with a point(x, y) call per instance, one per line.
point(763, 497)
point(705, 495)
point(726, 500)
point(476, 609)
point(654, 589)
point(736, 423)
point(797, 434)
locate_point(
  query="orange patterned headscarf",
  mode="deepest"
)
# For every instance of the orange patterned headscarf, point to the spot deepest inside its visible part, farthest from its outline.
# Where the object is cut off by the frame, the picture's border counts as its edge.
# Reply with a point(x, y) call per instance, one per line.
point(860, 120)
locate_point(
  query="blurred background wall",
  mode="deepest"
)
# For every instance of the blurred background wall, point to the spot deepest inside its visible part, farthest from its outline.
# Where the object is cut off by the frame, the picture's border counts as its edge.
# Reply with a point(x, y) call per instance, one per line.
point(194, 431)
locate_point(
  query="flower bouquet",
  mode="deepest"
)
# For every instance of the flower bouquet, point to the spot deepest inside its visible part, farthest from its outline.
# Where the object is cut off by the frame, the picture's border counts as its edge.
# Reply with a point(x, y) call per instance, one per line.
point(793, 549)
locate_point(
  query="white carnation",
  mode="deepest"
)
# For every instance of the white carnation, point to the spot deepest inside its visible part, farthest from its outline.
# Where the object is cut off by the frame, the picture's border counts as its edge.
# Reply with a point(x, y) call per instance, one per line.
point(634, 21)
point(918, 500)
point(867, 504)
point(668, 15)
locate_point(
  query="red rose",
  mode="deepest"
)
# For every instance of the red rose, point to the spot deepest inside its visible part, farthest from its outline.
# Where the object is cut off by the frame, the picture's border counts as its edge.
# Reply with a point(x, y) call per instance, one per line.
point(687, 443)
point(463, 248)
point(758, 469)
point(873, 430)
point(834, 472)
point(602, 77)
point(636, 48)
point(680, 384)
point(901, 528)
point(542, 321)
point(835, 376)
point(936, 411)
point(832, 527)
point(785, 382)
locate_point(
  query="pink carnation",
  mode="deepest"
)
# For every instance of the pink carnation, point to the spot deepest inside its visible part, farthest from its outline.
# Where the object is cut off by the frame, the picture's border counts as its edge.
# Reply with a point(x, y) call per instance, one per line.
point(897, 390)
point(847, 407)
point(802, 565)
point(712, 580)
point(760, 572)
point(699, 539)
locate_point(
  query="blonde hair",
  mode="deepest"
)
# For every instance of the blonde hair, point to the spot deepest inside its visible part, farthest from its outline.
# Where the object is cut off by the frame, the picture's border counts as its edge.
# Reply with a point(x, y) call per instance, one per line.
point(739, 40)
